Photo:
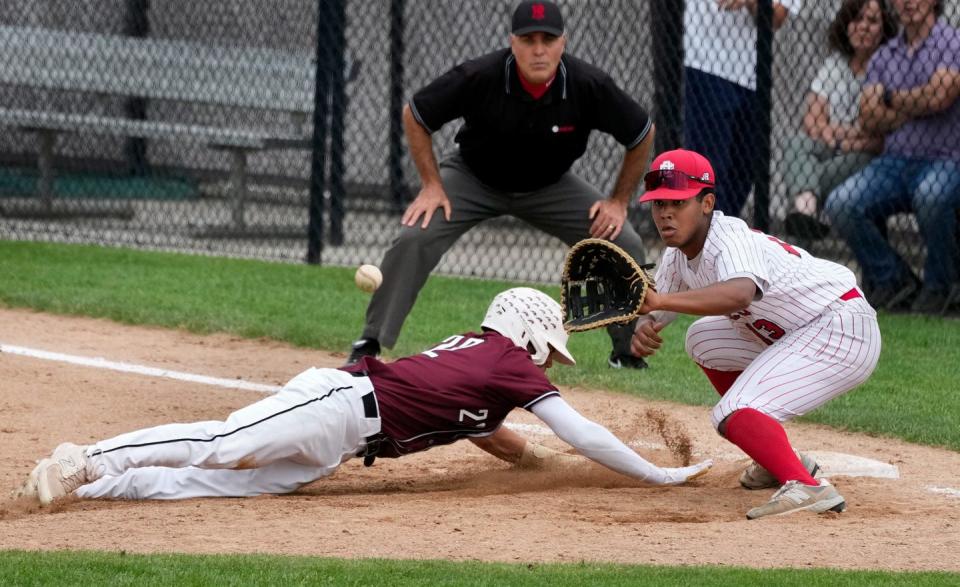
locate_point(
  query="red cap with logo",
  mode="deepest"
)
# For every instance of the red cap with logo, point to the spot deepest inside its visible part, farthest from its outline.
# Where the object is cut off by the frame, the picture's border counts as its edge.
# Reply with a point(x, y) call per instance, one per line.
point(677, 175)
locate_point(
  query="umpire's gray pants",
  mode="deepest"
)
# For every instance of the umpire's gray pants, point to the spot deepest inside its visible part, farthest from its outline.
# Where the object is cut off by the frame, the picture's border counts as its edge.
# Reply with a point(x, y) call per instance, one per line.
point(561, 210)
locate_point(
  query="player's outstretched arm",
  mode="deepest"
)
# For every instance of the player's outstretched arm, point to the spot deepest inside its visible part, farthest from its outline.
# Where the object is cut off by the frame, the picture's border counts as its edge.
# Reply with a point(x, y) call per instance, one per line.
point(717, 299)
point(507, 445)
point(599, 444)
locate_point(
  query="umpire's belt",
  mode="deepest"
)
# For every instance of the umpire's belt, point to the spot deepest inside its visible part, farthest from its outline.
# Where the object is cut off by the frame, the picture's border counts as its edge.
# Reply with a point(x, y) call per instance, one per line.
point(369, 453)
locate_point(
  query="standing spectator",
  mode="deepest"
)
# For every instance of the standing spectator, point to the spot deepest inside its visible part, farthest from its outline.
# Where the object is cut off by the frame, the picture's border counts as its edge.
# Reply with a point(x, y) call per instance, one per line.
point(911, 94)
point(833, 146)
point(527, 114)
point(720, 83)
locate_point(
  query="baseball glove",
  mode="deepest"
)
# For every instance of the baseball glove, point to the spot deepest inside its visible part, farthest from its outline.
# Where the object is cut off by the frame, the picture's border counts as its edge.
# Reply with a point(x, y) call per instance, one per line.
point(601, 285)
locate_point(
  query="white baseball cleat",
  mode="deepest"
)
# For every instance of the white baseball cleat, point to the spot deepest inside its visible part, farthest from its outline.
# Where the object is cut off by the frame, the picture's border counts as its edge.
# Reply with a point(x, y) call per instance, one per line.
point(756, 477)
point(29, 487)
point(797, 497)
point(62, 473)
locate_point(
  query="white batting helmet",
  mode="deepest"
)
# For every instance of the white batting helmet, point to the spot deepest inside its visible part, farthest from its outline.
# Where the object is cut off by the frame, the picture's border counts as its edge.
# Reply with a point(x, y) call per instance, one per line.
point(530, 318)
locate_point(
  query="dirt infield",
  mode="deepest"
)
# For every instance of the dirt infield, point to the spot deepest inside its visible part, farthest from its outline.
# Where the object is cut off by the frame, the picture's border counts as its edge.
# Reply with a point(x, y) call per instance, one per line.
point(454, 502)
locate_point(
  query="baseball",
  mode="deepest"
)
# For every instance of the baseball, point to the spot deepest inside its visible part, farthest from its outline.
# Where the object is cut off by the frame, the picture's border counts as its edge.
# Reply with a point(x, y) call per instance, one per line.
point(368, 278)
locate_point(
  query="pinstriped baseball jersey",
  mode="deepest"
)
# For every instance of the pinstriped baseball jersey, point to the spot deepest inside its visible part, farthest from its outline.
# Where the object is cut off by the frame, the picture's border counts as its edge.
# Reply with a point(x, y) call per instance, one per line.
point(793, 286)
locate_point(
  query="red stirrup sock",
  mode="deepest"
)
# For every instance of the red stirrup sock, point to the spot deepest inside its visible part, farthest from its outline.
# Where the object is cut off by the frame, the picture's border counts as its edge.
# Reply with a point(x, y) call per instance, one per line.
point(721, 380)
point(765, 440)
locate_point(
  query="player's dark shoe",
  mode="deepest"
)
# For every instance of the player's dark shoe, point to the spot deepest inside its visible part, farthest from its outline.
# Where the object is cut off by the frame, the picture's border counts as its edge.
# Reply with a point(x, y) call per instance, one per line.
point(365, 347)
point(618, 361)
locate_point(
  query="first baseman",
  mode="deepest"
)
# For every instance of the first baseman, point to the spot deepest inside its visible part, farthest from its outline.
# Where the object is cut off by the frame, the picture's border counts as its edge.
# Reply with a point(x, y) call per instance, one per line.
point(527, 113)
point(463, 387)
point(783, 331)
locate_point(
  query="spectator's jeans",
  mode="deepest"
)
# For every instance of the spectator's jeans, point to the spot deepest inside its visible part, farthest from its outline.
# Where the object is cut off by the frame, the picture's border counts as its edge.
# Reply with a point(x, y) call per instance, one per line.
point(719, 122)
point(859, 207)
point(810, 165)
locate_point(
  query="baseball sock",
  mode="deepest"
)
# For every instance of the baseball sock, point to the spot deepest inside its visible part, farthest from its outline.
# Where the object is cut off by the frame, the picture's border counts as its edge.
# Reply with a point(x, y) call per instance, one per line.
point(765, 440)
point(721, 380)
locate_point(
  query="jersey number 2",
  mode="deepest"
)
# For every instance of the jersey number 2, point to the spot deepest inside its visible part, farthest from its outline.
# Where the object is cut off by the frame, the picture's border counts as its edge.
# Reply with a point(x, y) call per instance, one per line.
point(453, 343)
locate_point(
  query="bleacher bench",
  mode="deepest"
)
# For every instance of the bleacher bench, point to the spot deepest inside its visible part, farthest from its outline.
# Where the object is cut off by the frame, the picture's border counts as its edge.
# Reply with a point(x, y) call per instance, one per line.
point(157, 70)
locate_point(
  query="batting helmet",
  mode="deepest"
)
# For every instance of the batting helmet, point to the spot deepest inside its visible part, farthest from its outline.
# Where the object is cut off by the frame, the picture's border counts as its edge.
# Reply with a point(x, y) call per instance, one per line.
point(532, 320)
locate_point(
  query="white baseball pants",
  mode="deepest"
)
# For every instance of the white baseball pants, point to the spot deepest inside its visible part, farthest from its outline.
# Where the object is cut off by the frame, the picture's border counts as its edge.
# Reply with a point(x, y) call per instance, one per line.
point(796, 374)
point(300, 434)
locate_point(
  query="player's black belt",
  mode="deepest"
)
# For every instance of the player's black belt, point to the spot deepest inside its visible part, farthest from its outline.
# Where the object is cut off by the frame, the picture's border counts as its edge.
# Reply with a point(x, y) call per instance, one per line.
point(370, 451)
point(370, 406)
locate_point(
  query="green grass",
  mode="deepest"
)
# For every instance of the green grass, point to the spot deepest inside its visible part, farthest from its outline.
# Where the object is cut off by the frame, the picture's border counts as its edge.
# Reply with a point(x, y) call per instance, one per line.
point(912, 394)
point(68, 568)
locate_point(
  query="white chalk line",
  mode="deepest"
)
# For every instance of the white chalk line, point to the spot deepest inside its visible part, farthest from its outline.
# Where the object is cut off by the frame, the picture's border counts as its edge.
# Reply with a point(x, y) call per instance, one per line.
point(831, 463)
point(101, 363)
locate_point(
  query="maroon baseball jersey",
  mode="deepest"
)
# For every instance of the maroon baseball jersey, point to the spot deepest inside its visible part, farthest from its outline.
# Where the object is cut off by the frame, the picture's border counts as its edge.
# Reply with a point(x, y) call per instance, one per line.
point(465, 386)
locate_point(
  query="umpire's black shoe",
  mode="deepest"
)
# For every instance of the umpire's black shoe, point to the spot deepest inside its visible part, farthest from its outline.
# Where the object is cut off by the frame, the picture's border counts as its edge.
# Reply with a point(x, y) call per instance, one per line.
point(626, 361)
point(953, 299)
point(896, 296)
point(365, 347)
point(930, 301)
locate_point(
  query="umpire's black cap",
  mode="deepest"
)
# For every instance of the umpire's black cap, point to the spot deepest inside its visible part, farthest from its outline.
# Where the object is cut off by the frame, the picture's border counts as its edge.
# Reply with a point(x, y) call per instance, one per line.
point(537, 16)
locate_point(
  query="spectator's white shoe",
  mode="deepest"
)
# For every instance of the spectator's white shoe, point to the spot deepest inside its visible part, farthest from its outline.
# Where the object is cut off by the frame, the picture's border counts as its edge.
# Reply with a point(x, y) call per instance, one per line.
point(797, 497)
point(62, 473)
point(756, 477)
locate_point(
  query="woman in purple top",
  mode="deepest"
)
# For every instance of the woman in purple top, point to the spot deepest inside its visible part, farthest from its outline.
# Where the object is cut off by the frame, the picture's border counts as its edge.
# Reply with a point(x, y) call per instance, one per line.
point(463, 387)
point(910, 95)
point(832, 146)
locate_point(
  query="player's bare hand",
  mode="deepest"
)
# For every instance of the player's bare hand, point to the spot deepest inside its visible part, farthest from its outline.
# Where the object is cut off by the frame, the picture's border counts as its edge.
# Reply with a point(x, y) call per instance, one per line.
point(651, 301)
point(684, 474)
point(646, 337)
point(425, 204)
point(608, 217)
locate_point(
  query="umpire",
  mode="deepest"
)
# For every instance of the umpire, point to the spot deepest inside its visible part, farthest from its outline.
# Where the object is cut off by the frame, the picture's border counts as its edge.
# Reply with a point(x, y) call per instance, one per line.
point(527, 114)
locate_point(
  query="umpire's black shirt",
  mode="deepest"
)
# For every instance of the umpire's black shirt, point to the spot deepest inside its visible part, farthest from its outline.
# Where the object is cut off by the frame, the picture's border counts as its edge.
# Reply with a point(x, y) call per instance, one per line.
point(515, 143)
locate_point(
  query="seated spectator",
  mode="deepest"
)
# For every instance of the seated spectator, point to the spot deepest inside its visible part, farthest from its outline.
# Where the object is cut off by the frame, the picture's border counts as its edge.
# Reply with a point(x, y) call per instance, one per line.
point(911, 92)
point(834, 146)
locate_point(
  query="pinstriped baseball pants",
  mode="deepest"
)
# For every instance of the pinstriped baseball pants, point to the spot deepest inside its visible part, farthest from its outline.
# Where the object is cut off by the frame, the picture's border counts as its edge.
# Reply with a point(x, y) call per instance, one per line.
point(796, 374)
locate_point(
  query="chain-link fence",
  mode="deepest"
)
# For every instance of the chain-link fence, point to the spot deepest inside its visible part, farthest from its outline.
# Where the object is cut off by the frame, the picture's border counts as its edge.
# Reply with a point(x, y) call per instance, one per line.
point(272, 129)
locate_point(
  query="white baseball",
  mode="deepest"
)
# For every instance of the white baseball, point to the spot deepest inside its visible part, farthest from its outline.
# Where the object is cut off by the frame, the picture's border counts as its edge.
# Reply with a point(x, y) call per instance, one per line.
point(368, 278)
